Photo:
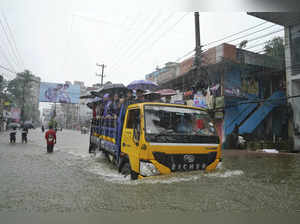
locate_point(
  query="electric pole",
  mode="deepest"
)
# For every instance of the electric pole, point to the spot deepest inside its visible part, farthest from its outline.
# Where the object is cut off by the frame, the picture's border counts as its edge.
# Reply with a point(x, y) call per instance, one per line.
point(102, 73)
point(198, 49)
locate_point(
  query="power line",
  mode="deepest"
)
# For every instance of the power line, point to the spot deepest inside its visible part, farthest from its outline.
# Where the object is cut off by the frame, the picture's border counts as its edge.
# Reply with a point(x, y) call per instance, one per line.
point(17, 63)
point(257, 45)
point(13, 39)
point(250, 28)
point(6, 58)
point(133, 46)
point(134, 43)
point(166, 31)
point(258, 101)
point(268, 34)
point(251, 33)
point(159, 37)
point(7, 69)
point(224, 38)
point(185, 55)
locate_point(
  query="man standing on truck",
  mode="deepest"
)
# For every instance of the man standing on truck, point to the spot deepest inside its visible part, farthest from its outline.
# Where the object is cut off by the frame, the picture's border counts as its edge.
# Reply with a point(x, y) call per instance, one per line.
point(129, 99)
point(140, 98)
point(50, 137)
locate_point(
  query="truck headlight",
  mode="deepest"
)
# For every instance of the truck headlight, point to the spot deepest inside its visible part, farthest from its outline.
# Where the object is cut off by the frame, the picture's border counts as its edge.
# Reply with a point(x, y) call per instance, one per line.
point(148, 169)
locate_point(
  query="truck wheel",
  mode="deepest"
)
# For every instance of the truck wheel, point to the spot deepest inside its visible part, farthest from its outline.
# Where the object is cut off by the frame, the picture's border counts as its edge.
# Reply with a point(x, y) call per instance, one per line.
point(134, 175)
point(126, 170)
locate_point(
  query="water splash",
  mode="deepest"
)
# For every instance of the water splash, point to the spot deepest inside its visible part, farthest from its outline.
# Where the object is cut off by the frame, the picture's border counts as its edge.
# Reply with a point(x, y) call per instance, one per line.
point(227, 173)
point(108, 172)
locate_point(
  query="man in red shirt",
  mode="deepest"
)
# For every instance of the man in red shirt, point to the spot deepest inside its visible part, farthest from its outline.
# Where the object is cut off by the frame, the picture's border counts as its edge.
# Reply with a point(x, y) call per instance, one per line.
point(50, 136)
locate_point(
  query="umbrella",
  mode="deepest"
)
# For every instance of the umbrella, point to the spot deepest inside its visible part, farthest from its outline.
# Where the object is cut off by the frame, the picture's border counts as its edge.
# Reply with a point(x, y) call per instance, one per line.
point(92, 101)
point(143, 85)
point(87, 96)
point(110, 88)
point(166, 92)
point(28, 124)
point(13, 125)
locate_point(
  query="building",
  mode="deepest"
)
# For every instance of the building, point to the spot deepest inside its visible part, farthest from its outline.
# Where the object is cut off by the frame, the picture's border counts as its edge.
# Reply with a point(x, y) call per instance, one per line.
point(291, 23)
point(162, 75)
point(249, 86)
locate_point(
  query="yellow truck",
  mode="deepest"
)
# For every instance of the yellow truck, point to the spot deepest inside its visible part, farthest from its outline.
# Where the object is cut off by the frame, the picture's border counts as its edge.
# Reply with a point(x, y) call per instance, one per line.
point(149, 139)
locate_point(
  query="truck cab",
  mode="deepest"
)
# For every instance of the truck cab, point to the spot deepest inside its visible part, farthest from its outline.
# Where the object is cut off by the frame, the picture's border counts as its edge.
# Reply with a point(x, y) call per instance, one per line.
point(160, 138)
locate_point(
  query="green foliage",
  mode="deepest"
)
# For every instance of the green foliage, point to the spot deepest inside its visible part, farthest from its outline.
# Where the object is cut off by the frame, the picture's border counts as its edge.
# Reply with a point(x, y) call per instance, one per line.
point(243, 44)
point(275, 47)
point(20, 93)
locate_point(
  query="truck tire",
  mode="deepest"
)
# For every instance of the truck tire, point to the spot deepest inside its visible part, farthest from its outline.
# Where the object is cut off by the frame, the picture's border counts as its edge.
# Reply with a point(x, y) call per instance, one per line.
point(126, 170)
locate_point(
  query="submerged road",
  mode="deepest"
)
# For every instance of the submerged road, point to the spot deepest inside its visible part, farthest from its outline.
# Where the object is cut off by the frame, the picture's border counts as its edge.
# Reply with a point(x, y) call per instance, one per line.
point(70, 180)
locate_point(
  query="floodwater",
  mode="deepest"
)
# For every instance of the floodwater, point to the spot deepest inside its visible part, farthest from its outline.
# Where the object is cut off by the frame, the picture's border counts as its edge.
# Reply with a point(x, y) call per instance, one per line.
point(72, 180)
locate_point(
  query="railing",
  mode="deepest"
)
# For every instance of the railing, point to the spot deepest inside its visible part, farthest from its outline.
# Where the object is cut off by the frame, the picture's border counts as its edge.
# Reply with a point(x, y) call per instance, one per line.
point(105, 127)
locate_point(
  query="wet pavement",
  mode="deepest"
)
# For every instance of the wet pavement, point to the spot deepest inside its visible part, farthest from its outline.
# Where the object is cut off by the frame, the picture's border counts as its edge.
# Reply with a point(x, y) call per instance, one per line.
point(71, 180)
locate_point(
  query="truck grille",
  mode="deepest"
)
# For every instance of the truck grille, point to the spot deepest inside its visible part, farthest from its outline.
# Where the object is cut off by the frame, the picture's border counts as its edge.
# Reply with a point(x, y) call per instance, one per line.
point(185, 162)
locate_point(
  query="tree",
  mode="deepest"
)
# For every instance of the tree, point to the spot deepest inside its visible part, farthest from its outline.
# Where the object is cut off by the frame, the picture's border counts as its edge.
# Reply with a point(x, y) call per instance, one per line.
point(275, 47)
point(243, 44)
point(20, 89)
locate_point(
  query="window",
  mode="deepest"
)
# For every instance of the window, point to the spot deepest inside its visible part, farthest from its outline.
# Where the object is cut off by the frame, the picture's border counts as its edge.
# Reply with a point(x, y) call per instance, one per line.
point(133, 118)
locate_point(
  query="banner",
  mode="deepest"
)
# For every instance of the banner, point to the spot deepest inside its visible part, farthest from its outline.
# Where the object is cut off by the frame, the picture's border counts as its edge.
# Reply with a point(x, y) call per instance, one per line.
point(15, 113)
point(59, 93)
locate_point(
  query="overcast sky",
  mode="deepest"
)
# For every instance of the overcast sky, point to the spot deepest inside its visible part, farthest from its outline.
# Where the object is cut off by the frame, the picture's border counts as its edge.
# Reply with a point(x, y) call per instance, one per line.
point(62, 40)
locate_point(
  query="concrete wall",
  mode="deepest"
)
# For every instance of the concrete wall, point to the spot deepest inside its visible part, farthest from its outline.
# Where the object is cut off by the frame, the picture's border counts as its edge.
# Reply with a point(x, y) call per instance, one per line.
point(293, 78)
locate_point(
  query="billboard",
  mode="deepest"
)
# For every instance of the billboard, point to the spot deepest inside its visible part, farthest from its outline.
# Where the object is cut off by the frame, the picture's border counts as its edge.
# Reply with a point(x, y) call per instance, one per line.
point(59, 93)
point(15, 113)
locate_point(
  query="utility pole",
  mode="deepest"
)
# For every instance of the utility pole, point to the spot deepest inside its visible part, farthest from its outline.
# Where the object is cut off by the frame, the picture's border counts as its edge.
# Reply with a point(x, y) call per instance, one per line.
point(198, 49)
point(102, 74)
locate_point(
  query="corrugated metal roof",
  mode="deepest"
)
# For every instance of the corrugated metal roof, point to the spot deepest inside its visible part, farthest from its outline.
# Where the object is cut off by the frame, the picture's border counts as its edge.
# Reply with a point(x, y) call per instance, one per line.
point(280, 18)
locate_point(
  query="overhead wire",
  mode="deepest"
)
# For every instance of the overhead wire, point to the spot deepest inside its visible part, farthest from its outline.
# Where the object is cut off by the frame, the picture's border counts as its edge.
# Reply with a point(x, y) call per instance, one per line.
point(257, 45)
point(165, 32)
point(14, 41)
point(242, 31)
point(11, 49)
point(154, 31)
point(7, 69)
point(265, 35)
point(140, 36)
point(6, 59)
point(159, 37)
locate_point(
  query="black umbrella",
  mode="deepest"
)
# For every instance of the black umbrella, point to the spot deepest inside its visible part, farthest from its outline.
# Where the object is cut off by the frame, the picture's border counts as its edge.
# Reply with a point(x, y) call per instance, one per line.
point(110, 88)
point(28, 124)
point(13, 125)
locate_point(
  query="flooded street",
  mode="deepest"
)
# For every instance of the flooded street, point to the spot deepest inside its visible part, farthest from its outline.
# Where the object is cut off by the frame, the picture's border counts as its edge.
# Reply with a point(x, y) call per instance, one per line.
point(71, 180)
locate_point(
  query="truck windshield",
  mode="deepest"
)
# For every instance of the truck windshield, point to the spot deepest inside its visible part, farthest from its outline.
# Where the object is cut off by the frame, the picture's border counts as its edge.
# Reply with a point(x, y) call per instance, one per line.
point(178, 125)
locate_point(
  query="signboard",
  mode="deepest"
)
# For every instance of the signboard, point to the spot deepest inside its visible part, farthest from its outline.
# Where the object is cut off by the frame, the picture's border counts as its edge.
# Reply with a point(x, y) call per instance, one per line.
point(6, 103)
point(200, 100)
point(59, 93)
point(15, 113)
point(6, 114)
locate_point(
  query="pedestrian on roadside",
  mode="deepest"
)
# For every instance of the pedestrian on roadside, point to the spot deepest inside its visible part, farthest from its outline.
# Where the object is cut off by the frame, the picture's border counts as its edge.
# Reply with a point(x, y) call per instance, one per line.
point(43, 128)
point(50, 137)
point(12, 135)
point(24, 134)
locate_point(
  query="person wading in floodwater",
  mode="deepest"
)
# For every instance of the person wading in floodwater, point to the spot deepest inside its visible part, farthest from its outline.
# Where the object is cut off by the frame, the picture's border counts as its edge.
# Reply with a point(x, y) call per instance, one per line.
point(50, 136)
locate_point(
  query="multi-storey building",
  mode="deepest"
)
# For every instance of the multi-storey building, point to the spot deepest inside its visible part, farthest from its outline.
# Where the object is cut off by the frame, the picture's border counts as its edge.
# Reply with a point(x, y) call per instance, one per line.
point(291, 23)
